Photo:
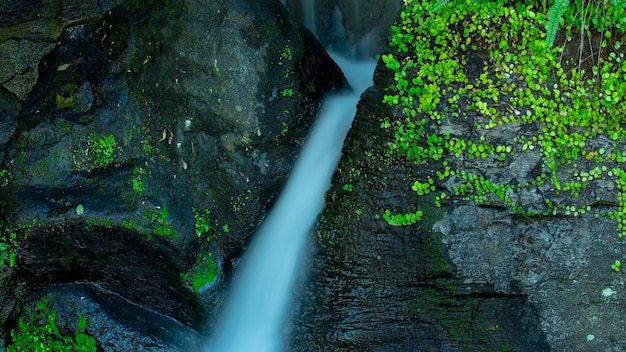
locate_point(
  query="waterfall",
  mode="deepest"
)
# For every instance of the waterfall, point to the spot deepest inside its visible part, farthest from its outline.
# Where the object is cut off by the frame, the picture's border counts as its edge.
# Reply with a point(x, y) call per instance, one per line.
point(260, 297)
point(356, 27)
point(308, 15)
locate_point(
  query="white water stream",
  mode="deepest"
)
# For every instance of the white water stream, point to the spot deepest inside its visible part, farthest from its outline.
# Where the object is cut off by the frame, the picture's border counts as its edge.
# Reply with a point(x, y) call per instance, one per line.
point(259, 299)
point(308, 15)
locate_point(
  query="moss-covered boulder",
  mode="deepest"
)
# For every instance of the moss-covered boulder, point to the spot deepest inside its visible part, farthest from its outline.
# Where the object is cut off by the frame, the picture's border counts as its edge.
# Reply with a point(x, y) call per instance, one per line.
point(149, 145)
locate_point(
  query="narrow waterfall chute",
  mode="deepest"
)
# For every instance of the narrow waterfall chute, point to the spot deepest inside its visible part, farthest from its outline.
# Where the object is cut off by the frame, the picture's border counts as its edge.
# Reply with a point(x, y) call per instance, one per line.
point(256, 309)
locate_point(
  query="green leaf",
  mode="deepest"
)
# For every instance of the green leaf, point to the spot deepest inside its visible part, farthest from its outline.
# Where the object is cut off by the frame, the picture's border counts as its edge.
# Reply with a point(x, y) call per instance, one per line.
point(436, 6)
point(554, 17)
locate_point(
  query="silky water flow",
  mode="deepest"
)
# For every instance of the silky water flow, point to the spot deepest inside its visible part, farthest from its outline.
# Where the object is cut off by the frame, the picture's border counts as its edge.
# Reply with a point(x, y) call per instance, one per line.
point(256, 308)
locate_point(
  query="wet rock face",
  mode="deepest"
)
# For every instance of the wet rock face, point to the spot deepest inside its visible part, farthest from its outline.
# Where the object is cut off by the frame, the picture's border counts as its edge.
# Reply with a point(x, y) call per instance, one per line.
point(115, 322)
point(14, 11)
point(472, 274)
point(244, 91)
point(374, 287)
point(8, 124)
point(148, 140)
point(28, 31)
point(146, 271)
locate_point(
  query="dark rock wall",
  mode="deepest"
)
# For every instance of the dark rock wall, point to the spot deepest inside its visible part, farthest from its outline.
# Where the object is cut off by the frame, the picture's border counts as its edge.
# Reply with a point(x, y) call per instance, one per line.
point(470, 275)
point(375, 287)
point(120, 324)
point(123, 124)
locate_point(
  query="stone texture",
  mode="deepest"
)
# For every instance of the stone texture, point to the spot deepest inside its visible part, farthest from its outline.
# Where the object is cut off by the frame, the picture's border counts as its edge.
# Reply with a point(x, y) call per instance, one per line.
point(195, 95)
point(9, 291)
point(374, 287)
point(73, 10)
point(9, 61)
point(469, 276)
point(148, 275)
point(29, 31)
point(16, 11)
point(8, 123)
point(116, 323)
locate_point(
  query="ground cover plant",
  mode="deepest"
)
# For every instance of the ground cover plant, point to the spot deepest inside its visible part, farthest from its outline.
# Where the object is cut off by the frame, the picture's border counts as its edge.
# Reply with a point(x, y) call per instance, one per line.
point(41, 334)
point(205, 269)
point(564, 92)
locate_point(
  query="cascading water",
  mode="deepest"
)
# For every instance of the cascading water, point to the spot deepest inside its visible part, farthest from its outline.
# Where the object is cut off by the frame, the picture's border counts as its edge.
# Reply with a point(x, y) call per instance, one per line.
point(254, 316)
point(357, 28)
point(308, 15)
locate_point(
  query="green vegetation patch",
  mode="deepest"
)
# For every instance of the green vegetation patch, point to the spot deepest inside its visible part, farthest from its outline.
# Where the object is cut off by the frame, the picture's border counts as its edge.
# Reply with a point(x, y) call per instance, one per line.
point(40, 334)
point(101, 151)
point(138, 180)
point(205, 269)
point(9, 242)
point(153, 221)
point(464, 70)
point(158, 219)
point(457, 317)
point(8, 247)
point(202, 273)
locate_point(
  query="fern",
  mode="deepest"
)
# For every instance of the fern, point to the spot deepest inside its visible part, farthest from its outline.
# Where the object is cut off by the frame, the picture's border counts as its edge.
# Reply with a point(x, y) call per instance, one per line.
point(436, 5)
point(554, 17)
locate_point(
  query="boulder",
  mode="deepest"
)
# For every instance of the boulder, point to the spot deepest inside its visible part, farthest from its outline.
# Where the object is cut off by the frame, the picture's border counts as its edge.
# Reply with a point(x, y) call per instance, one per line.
point(115, 322)
point(28, 31)
point(16, 12)
point(152, 144)
point(375, 287)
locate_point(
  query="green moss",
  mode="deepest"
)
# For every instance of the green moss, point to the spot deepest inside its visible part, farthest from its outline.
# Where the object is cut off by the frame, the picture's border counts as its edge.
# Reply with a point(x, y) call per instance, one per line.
point(157, 218)
point(204, 229)
point(103, 149)
point(153, 221)
point(99, 152)
point(5, 177)
point(431, 255)
point(8, 247)
point(205, 269)
point(95, 223)
point(130, 224)
point(440, 306)
point(241, 200)
point(138, 182)
point(202, 273)
point(40, 334)
point(9, 242)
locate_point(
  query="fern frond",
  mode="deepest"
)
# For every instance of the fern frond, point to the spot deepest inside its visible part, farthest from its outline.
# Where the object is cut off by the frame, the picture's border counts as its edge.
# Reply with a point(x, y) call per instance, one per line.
point(435, 5)
point(554, 17)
